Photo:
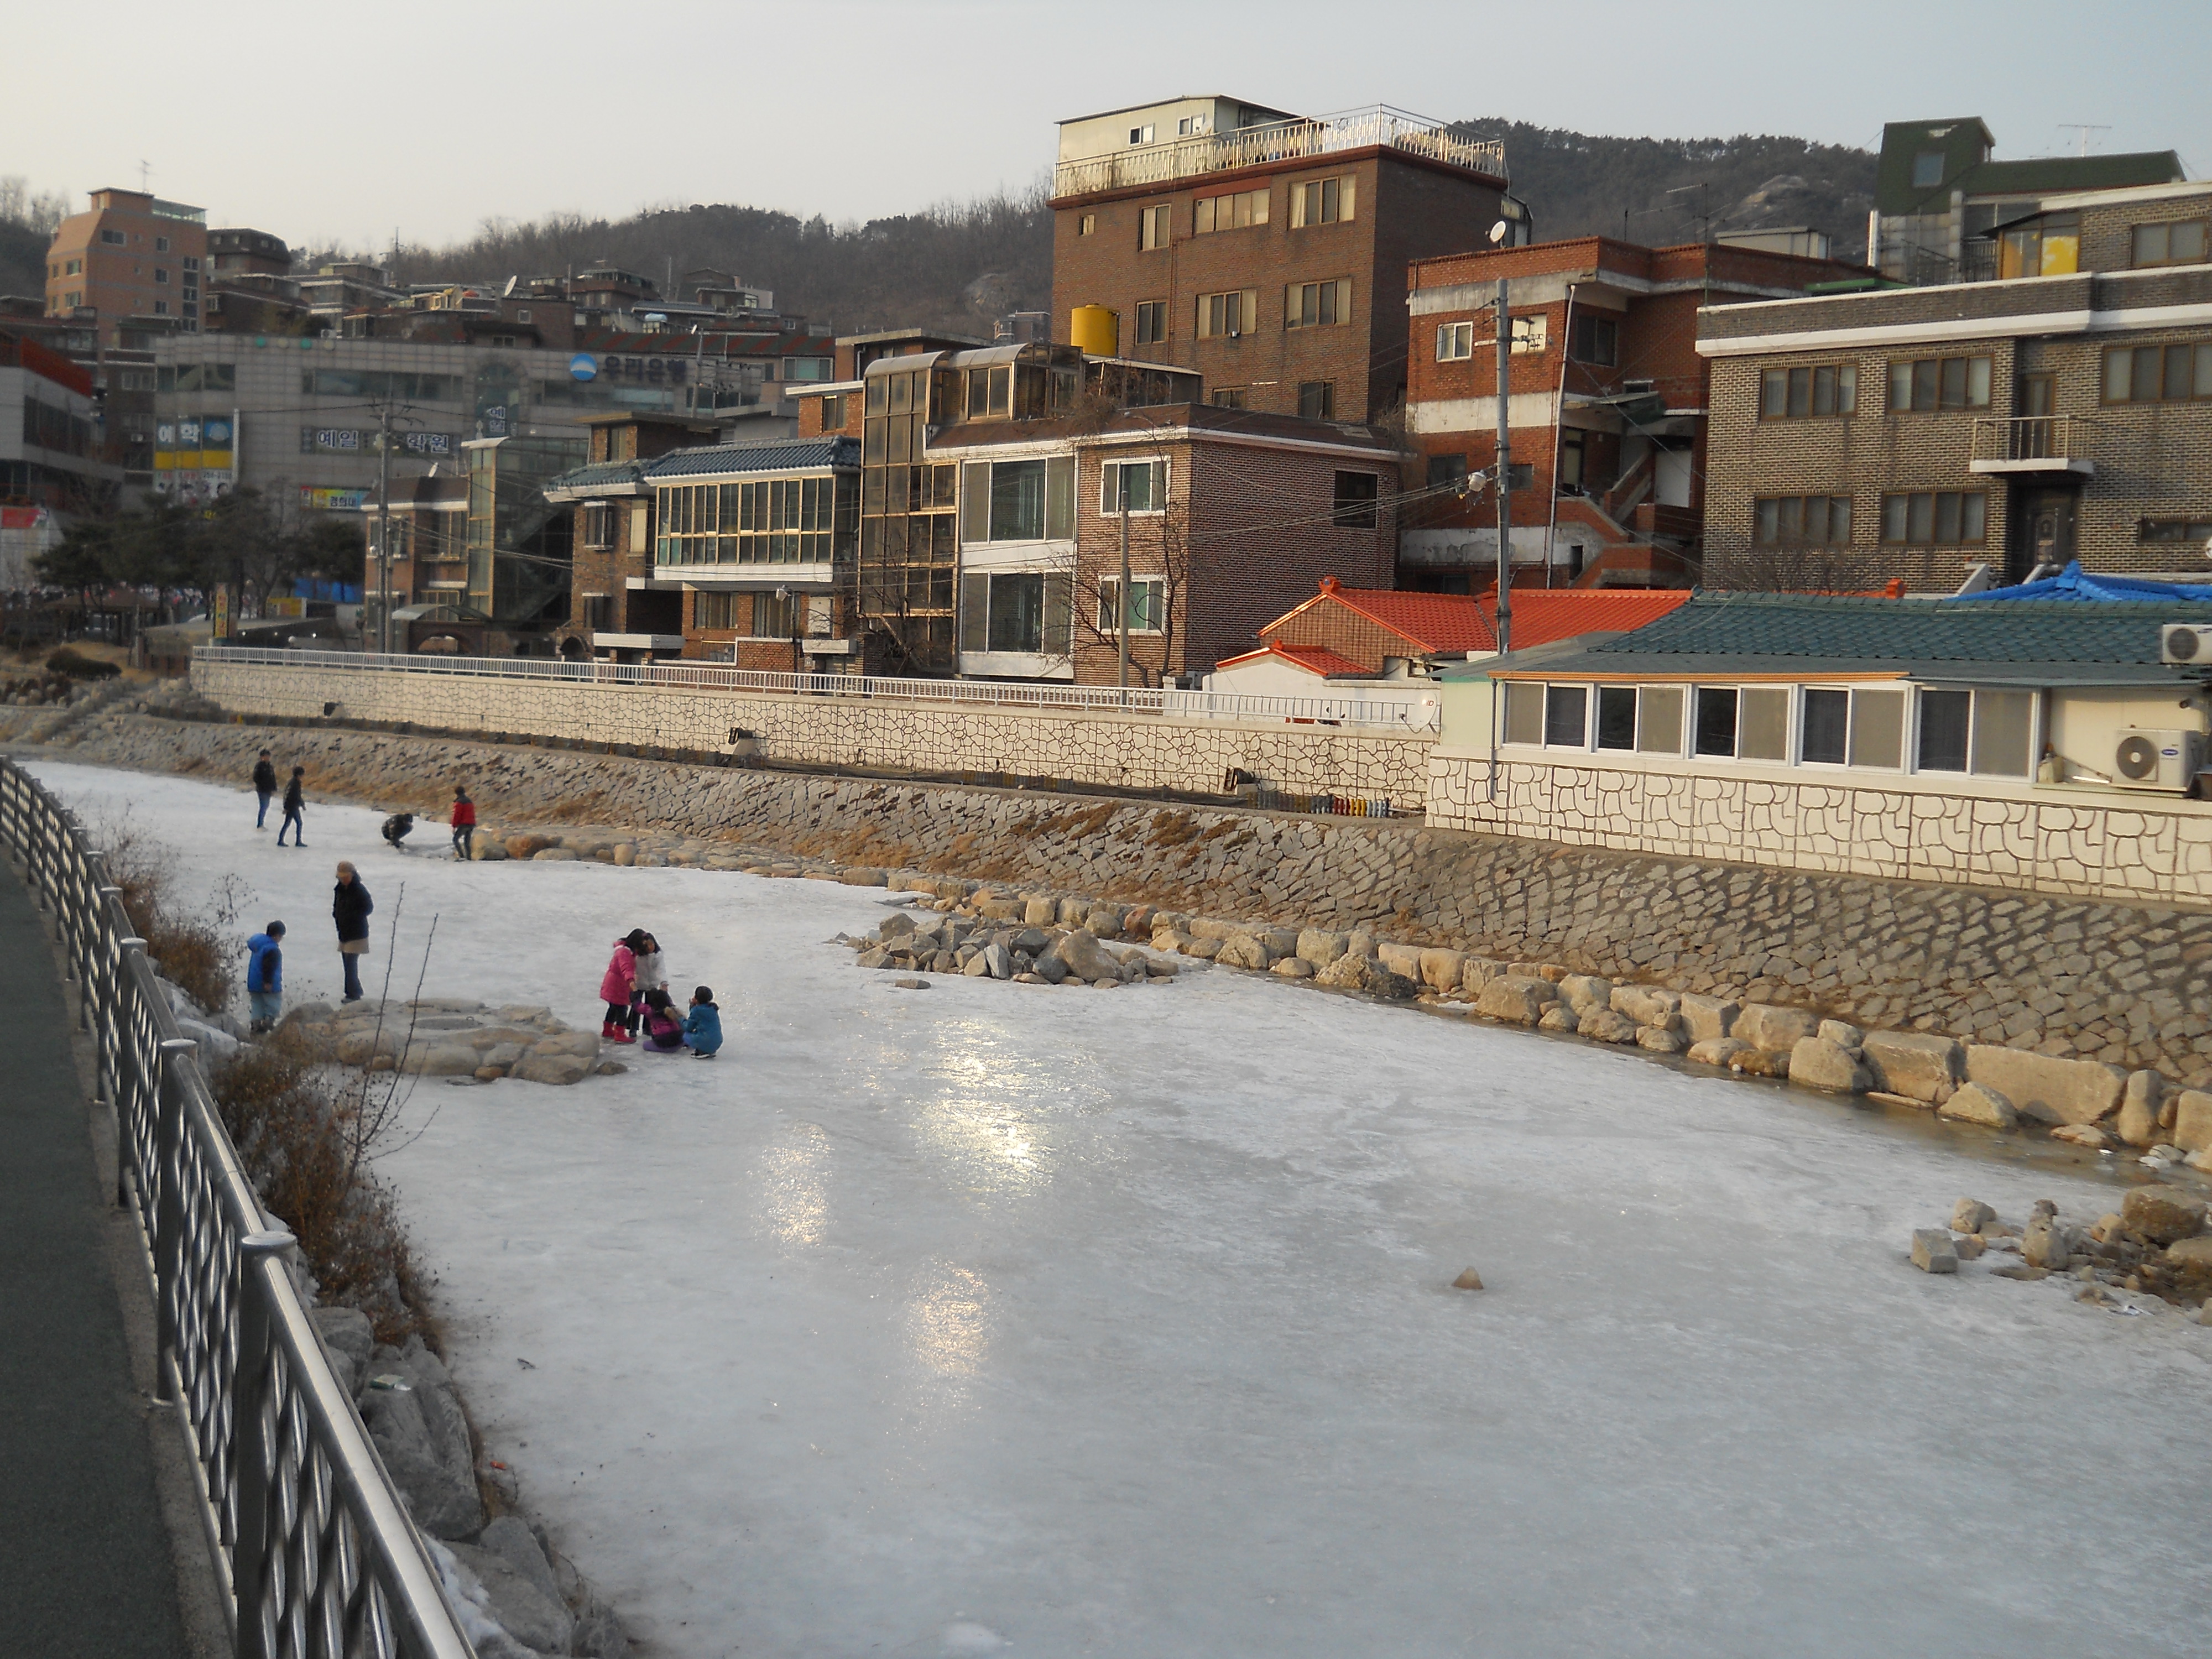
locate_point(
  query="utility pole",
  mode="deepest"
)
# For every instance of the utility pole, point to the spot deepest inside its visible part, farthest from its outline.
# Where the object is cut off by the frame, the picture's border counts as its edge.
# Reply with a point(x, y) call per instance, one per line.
point(1504, 477)
point(384, 528)
point(1121, 478)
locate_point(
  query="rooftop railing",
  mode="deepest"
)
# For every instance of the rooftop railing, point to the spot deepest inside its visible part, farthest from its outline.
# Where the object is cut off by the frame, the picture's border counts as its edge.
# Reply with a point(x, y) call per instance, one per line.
point(1416, 710)
point(1280, 141)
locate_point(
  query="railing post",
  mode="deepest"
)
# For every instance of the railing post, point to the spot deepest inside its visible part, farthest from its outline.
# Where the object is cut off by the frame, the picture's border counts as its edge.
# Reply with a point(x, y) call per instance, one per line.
point(254, 1450)
point(169, 1205)
point(127, 1164)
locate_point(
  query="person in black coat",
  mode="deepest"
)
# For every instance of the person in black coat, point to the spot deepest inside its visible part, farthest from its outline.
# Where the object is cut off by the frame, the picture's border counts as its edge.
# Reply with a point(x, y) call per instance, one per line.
point(350, 908)
point(264, 785)
point(295, 805)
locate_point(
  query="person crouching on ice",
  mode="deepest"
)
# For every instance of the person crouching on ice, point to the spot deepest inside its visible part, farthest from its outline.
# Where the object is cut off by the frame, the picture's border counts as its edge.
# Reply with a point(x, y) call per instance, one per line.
point(703, 1025)
point(662, 1032)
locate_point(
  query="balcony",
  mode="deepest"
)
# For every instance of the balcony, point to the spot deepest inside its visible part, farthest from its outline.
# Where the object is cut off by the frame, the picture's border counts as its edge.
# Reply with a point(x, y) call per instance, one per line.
point(2032, 446)
point(1279, 141)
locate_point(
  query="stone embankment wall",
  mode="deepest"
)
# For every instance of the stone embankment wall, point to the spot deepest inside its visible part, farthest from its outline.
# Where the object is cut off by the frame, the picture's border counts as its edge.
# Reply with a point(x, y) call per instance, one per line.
point(2149, 849)
point(2124, 984)
point(1129, 751)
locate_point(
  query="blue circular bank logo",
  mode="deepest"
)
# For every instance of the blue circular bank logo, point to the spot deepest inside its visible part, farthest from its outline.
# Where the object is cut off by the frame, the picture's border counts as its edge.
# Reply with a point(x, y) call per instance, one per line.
point(582, 368)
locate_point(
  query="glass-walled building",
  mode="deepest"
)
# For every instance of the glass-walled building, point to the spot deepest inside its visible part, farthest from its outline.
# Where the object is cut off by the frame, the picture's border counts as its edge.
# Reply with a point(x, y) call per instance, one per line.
point(519, 544)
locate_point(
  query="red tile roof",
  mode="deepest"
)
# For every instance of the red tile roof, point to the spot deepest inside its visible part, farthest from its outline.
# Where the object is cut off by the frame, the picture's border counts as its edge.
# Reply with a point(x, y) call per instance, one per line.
point(1314, 658)
point(1449, 624)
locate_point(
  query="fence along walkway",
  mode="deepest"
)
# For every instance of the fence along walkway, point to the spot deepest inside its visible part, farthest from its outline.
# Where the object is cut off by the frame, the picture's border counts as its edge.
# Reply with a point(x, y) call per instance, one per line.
point(313, 1551)
point(1417, 709)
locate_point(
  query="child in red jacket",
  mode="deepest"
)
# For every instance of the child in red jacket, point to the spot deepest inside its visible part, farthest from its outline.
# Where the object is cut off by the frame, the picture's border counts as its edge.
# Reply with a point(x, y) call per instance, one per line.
point(618, 984)
point(465, 825)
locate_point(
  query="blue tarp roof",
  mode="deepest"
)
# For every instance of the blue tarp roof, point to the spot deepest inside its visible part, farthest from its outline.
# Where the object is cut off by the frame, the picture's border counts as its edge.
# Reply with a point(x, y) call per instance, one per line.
point(2074, 583)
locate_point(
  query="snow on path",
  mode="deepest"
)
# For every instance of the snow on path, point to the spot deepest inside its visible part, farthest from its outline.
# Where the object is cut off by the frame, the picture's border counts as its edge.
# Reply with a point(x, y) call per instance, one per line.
point(1007, 1318)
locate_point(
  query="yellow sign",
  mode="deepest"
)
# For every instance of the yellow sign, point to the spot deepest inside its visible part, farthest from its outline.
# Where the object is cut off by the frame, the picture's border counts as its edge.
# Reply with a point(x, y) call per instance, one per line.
point(219, 614)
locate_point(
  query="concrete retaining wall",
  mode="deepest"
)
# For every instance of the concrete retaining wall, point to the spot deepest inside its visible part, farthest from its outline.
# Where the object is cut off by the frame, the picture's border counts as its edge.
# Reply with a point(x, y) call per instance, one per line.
point(1135, 752)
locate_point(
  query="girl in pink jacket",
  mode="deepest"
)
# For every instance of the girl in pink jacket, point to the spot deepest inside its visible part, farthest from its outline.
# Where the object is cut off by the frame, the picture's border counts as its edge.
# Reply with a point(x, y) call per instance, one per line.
point(618, 984)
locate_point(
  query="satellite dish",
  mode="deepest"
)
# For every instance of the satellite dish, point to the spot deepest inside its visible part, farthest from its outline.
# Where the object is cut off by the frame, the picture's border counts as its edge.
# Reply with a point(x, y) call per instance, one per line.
point(1497, 232)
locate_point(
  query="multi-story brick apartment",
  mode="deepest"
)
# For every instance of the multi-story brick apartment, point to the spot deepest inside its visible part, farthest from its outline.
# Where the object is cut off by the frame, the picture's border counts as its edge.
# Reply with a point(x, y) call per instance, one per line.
point(129, 254)
point(1263, 251)
point(52, 464)
point(1607, 404)
point(992, 487)
point(1938, 194)
point(2017, 422)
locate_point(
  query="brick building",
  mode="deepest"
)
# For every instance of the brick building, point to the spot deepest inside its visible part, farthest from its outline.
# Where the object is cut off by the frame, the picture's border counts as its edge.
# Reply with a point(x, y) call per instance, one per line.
point(129, 255)
point(1607, 405)
point(617, 607)
point(52, 464)
point(2022, 422)
point(1263, 251)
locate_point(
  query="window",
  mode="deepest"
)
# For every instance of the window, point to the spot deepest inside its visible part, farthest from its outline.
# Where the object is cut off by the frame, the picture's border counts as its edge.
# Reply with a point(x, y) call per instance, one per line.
point(1321, 201)
point(599, 529)
point(1933, 383)
point(160, 245)
point(1943, 518)
point(1811, 393)
point(1087, 225)
point(775, 615)
point(1878, 729)
point(760, 522)
point(1596, 340)
point(833, 411)
point(1152, 226)
point(1616, 717)
point(1142, 486)
point(1017, 501)
point(1212, 213)
point(161, 274)
point(161, 307)
point(1024, 610)
point(1152, 321)
point(2048, 247)
point(1447, 471)
point(1317, 305)
point(2157, 374)
point(1140, 135)
point(1147, 605)
point(2182, 244)
point(1353, 501)
point(1945, 719)
point(1317, 399)
point(1566, 717)
point(1226, 397)
point(113, 237)
point(1801, 520)
point(1228, 315)
point(75, 267)
point(715, 612)
point(1715, 722)
point(2174, 530)
point(1659, 719)
point(1825, 739)
point(990, 392)
point(1524, 711)
point(1454, 340)
point(2004, 723)
point(191, 262)
point(1928, 169)
point(1763, 723)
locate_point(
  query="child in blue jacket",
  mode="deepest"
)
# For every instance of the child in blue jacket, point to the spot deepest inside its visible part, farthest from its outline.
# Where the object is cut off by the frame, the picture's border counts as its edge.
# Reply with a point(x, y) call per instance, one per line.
point(264, 976)
point(703, 1025)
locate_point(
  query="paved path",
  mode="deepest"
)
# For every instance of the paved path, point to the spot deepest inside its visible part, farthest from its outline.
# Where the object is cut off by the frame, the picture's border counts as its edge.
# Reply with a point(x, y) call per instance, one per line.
point(85, 1561)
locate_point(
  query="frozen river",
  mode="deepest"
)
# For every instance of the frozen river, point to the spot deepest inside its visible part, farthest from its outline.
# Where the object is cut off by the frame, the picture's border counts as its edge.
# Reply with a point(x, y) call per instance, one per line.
point(1009, 1318)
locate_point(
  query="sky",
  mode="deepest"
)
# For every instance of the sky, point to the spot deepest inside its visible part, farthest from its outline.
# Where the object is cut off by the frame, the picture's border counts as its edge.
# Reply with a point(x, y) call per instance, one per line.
point(331, 132)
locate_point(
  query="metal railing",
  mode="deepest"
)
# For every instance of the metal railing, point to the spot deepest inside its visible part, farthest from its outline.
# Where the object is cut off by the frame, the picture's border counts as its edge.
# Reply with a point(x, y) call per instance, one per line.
point(1280, 141)
point(316, 1555)
point(2031, 438)
point(1419, 710)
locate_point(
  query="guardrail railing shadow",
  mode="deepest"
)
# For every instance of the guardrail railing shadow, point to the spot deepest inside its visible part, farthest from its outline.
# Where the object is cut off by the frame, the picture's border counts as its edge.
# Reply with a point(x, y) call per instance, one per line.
point(316, 1553)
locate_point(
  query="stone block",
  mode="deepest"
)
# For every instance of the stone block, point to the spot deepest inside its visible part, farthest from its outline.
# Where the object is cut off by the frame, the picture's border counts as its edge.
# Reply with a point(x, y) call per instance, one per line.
point(1400, 959)
point(1040, 910)
point(553, 1068)
point(1288, 968)
point(625, 853)
point(1918, 1065)
point(857, 876)
point(1975, 1103)
point(1932, 1251)
point(1717, 1051)
point(1971, 1215)
point(2162, 1214)
point(2192, 1120)
point(1558, 1017)
point(1820, 1062)
point(1646, 1004)
point(1705, 1019)
point(2046, 1088)
point(1320, 946)
point(1843, 1034)
point(1245, 950)
point(1516, 998)
point(1584, 992)
point(1607, 1026)
point(1440, 970)
point(1477, 972)
point(1776, 1029)
point(2141, 1102)
point(1661, 1039)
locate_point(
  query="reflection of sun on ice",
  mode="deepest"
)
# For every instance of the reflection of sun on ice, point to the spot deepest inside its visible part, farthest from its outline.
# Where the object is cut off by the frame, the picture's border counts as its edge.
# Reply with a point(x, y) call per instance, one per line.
point(948, 1320)
point(793, 1202)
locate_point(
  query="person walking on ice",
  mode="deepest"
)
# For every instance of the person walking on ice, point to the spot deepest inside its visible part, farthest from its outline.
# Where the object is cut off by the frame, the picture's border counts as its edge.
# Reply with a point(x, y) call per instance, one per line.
point(350, 908)
point(296, 806)
point(465, 825)
point(264, 976)
point(264, 785)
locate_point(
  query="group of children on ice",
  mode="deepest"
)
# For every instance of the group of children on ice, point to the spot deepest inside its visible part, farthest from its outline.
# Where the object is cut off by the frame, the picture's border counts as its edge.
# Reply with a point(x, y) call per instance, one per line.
point(639, 1009)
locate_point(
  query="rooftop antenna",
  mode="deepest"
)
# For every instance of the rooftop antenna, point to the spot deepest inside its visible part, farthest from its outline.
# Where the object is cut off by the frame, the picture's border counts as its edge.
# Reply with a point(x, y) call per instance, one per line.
point(144, 168)
point(2085, 128)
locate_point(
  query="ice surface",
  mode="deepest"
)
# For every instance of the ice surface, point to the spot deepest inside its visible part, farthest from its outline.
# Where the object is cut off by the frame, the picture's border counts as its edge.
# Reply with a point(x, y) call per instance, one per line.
point(1070, 1321)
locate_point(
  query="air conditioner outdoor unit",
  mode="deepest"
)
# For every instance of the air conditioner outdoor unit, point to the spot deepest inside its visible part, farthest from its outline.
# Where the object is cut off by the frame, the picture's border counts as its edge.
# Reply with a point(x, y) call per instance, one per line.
point(2148, 759)
point(2184, 643)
